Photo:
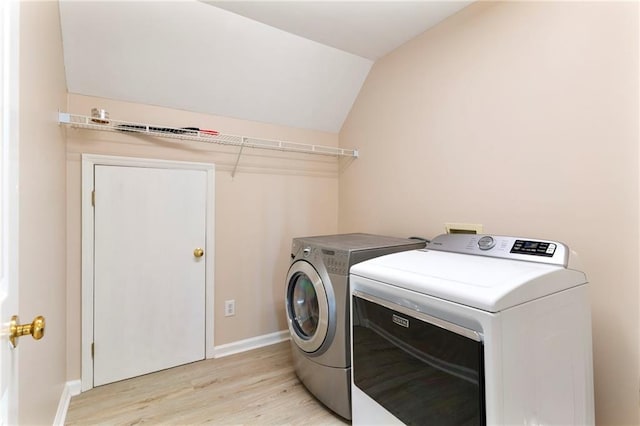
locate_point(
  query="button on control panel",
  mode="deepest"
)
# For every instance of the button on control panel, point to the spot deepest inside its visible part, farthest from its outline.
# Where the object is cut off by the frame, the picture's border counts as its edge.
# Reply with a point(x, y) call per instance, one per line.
point(486, 243)
point(536, 248)
point(335, 262)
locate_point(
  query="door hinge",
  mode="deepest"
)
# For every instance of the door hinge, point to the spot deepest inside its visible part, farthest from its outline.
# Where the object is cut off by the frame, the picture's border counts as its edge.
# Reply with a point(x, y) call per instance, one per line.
point(93, 198)
point(93, 349)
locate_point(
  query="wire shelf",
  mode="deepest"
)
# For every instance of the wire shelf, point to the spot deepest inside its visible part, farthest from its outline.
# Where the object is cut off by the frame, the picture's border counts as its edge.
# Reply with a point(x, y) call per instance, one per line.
point(200, 135)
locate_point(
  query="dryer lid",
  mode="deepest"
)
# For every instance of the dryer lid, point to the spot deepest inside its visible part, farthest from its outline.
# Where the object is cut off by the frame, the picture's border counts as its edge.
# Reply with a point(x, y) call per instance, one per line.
point(484, 282)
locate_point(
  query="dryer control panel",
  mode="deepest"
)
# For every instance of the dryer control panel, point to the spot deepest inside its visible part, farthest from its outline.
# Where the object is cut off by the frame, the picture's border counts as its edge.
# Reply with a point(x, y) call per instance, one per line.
point(516, 248)
point(535, 248)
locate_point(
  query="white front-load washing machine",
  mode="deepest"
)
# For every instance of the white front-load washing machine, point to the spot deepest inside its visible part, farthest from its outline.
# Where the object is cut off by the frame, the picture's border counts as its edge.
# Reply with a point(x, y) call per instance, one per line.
point(472, 330)
point(317, 306)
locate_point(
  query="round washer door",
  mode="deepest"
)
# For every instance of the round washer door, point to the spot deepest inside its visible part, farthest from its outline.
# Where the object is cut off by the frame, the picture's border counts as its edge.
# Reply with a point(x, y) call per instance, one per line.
point(307, 306)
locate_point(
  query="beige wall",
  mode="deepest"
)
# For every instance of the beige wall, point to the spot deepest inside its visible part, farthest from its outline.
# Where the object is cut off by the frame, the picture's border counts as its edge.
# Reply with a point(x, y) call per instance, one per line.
point(42, 213)
point(521, 116)
point(452, 127)
point(273, 197)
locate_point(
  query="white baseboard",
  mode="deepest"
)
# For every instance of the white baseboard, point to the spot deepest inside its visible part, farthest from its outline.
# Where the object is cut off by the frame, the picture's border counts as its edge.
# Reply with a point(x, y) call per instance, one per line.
point(252, 343)
point(71, 388)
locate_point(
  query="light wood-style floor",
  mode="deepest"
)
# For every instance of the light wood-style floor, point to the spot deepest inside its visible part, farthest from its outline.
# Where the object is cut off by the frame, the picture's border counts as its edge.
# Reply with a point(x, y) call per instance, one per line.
point(257, 387)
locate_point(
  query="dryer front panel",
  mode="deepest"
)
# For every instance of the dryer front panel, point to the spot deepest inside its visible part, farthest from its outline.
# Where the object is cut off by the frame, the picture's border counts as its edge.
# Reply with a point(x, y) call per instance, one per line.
point(420, 368)
point(308, 308)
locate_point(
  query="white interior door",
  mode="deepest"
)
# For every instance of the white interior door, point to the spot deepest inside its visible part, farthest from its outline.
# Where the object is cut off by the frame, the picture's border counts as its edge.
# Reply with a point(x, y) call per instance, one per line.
point(149, 285)
point(8, 207)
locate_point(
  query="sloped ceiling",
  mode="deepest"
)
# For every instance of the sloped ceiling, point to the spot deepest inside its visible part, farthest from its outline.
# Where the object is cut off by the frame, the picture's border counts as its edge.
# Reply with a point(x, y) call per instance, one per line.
point(294, 63)
point(370, 29)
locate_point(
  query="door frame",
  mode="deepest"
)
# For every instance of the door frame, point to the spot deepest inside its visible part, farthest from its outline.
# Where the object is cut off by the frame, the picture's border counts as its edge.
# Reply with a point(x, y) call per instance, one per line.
point(9, 198)
point(89, 161)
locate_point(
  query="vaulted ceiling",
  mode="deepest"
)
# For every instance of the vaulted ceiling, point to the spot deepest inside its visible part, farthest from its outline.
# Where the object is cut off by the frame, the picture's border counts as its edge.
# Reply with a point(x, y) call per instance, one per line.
point(294, 63)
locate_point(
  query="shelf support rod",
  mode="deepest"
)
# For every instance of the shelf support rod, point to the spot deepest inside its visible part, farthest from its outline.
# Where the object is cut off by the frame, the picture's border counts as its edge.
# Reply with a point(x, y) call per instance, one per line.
point(235, 166)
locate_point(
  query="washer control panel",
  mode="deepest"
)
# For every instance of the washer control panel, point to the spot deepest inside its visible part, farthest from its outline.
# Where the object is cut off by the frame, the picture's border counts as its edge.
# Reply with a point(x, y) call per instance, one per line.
point(515, 248)
point(336, 261)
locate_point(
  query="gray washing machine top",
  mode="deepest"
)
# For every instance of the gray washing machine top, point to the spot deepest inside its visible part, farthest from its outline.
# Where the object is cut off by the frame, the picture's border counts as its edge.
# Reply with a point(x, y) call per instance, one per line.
point(341, 251)
point(357, 241)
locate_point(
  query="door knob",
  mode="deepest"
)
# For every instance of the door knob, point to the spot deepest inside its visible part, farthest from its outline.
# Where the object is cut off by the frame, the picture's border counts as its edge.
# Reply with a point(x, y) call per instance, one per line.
point(198, 252)
point(35, 329)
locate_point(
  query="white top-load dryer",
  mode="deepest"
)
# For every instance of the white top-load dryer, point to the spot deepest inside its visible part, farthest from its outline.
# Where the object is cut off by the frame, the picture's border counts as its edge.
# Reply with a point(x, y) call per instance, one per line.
point(473, 329)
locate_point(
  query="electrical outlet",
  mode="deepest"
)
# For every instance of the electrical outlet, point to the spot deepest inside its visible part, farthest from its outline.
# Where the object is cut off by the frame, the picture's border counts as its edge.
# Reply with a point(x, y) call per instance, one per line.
point(229, 308)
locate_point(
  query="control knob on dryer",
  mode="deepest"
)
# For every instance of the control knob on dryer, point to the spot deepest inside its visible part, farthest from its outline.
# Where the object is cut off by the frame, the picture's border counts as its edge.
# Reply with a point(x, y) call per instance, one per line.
point(306, 251)
point(486, 243)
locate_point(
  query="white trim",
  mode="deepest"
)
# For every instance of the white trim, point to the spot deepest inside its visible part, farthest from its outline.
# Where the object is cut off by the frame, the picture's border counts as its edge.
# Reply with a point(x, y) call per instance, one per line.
point(9, 198)
point(71, 389)
point(251, 343)
point(88, 163)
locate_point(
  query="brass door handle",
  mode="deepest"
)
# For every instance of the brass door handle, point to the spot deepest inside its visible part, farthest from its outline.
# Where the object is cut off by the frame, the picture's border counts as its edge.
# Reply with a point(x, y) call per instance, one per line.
point(198, 252)
point(35, 329)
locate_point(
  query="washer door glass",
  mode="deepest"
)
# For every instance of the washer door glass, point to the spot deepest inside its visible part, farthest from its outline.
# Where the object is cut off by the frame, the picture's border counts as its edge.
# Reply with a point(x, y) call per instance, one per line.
point(307, 307)
point(304, 302)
